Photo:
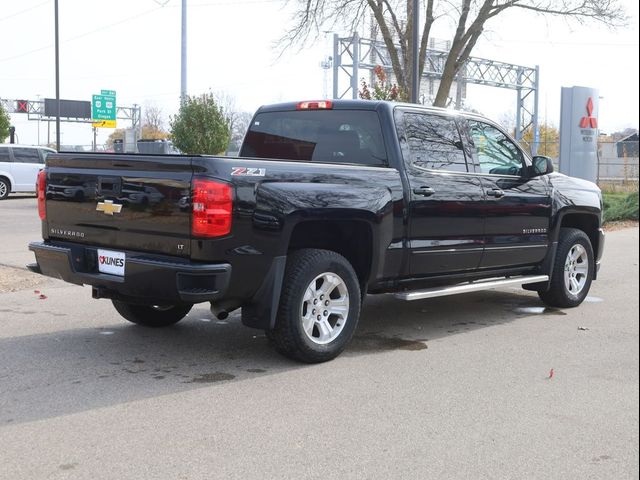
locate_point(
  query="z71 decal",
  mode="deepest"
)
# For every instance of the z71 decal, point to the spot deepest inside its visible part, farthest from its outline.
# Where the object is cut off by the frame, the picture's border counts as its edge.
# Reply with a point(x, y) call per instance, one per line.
point(248, 172)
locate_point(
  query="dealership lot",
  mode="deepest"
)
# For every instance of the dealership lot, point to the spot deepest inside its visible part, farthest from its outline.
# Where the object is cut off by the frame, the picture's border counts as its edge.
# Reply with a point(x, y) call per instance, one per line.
point(487, 385)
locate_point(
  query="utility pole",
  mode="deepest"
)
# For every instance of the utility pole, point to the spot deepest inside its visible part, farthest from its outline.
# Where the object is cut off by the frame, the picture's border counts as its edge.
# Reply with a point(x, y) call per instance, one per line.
point(183, 54)
point(415, 49)
point(57, 54)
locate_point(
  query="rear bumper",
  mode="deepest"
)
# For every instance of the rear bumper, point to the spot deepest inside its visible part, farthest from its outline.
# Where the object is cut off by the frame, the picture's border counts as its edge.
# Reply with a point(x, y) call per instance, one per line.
point(148, 278)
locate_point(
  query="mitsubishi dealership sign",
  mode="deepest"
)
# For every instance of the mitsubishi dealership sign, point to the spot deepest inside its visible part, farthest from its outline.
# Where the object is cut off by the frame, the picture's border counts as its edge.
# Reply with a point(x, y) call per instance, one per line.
point(579, 132)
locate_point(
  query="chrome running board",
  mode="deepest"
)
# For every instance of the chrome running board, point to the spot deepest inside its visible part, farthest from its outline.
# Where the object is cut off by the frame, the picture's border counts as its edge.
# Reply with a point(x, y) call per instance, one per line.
point(489, 284)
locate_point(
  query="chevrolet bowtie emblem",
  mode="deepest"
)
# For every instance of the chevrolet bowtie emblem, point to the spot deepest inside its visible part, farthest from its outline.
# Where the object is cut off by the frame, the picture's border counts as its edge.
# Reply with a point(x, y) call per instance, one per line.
point(108, 207)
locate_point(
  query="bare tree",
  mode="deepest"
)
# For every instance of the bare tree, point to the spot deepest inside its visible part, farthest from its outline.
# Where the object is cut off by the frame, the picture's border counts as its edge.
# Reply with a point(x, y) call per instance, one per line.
point(238, 120)
point(470, 17)
point(240, 126)
point(153, 118)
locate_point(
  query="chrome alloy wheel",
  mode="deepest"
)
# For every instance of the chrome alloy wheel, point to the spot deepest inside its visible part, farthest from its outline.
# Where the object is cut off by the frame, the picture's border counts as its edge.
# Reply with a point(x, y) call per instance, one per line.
point(3, 189)
point(576, 269)
point(325, 308)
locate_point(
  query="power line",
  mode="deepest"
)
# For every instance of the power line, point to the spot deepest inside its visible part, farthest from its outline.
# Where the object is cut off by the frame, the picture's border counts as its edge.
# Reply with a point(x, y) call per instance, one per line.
point(24, 11)
point(85, 34)
point(133, 17)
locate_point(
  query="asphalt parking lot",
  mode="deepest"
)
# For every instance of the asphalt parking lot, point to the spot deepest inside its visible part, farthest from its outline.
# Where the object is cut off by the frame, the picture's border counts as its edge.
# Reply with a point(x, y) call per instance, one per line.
point(456, 387)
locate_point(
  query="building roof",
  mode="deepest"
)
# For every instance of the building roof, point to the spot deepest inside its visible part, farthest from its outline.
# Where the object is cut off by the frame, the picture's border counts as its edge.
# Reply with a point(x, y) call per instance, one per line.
point(631, 138)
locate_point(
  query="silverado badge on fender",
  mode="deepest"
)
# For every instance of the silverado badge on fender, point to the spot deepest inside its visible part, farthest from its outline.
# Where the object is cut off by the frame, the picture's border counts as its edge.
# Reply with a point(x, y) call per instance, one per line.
point(108, 207)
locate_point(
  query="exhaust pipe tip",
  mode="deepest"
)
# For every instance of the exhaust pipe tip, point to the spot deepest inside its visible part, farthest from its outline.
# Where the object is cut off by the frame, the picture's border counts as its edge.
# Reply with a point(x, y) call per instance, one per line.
point(219, 313)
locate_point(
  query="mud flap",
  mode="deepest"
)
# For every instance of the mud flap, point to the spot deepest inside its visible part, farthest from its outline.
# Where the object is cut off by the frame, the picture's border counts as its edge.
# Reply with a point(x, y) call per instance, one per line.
point(260, 312)
point(545, 269)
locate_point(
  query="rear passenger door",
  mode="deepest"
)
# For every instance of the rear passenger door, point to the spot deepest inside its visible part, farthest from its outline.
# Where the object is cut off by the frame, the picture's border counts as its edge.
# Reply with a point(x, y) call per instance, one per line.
point(27, 162)
point(445, 218)
point(517, 207)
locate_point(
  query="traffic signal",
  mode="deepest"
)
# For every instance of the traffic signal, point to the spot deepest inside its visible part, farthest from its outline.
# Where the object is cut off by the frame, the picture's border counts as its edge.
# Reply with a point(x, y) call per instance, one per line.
point(22, 106)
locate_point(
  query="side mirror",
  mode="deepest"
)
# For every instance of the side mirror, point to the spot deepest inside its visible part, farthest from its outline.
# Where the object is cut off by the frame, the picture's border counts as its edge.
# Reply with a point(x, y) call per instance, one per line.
point(541, 166)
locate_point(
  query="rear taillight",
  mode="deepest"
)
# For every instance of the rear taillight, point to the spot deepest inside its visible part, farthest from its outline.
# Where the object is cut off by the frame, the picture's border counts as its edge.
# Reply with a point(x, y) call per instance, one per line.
point(212, 204)
point(42, 186)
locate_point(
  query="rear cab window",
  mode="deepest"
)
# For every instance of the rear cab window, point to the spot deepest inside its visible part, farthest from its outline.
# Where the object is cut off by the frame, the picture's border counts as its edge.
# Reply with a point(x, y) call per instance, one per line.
point(327, 136)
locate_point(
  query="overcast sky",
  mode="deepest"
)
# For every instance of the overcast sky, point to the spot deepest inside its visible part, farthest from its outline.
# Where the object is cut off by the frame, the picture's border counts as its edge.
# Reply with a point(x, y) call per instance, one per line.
point(133, 47)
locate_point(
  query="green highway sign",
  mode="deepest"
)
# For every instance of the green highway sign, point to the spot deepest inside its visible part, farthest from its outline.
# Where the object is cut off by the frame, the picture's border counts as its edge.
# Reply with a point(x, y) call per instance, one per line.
point(103, 108)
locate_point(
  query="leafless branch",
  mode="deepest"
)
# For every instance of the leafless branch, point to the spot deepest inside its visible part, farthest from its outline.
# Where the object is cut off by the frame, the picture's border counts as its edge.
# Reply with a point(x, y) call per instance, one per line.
point(470, 16)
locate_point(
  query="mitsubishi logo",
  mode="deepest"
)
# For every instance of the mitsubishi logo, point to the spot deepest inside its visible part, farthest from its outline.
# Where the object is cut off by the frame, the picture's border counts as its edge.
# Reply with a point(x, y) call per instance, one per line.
point(108, 207)
point(589, 120)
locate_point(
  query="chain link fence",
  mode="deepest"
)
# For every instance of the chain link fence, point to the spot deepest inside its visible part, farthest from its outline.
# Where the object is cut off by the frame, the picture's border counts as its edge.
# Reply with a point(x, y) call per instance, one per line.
point(617, 162)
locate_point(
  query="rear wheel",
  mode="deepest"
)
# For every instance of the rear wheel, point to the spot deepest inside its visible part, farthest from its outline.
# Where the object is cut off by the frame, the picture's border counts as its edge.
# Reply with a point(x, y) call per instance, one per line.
point(319, 306)
point(152, 315)
point(5, 188)
point(572, 271)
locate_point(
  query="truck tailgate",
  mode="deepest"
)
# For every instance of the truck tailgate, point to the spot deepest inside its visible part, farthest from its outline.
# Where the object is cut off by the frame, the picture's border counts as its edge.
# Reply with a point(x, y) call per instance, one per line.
point(130, 202)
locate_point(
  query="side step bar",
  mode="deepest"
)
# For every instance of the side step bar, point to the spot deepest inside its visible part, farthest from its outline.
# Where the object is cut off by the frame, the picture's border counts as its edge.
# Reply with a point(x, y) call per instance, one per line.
point(489, 284)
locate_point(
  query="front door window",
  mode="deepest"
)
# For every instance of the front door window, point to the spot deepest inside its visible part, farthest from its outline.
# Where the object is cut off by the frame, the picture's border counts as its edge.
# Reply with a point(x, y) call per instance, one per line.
point(497, 154)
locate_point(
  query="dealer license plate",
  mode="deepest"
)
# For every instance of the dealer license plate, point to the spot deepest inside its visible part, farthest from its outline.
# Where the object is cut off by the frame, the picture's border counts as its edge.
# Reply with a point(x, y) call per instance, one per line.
point(111, 262)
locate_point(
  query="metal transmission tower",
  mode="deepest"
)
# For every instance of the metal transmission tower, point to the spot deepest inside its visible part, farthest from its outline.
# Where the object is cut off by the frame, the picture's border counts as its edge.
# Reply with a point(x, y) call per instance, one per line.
point(353, 54)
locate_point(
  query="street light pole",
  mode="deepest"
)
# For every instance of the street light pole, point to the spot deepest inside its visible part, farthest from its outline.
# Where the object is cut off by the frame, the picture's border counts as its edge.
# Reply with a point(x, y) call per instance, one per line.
point(57, 49)
point(415, 42)
point(183, 54)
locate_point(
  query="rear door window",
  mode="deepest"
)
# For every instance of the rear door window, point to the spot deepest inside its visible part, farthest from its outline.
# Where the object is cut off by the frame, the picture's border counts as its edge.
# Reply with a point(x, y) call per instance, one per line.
point(434, 142)
point(330, 136)
point(26, 155)
point(44, 154)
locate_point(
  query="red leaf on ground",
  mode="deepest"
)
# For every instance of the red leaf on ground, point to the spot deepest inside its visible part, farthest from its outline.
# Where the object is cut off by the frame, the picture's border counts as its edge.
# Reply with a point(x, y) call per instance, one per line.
point(551, 374)
point(42, 297)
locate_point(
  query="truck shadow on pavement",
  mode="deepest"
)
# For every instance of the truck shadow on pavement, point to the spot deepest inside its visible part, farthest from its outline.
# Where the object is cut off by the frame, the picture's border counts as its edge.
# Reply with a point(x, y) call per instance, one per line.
point(69, 371)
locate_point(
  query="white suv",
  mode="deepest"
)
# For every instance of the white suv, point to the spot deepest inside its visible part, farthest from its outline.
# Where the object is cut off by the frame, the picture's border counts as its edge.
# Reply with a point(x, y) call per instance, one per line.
point(19, 167)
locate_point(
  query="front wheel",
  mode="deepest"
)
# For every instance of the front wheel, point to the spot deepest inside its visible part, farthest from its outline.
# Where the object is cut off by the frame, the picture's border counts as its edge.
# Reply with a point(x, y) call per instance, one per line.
point(152, 315)
point(572, 271)
point(319, 306)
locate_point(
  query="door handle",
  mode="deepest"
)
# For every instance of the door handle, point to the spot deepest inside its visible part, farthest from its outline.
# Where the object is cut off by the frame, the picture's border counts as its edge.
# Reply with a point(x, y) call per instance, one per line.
point(495, 192)
point(424, 191)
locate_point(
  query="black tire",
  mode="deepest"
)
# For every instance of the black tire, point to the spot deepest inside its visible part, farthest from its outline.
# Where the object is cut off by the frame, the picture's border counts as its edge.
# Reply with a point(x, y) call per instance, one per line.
point(5, 188)
point(559, 295)
point(151, 316)
point(304, 267)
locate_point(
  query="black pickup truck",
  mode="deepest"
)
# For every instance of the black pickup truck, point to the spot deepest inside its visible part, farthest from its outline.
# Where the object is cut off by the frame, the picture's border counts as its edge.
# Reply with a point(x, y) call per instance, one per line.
point(328, 201)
